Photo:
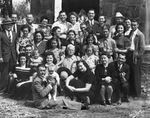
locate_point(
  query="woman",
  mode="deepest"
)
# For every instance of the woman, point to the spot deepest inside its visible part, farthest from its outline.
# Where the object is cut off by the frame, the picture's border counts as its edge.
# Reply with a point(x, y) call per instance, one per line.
point(21, 78)
point(82, 83)
point(122, 41)
point(104, 81)
point(75, 24)
point(39, 42)
point(25, 39)
point(44, 28)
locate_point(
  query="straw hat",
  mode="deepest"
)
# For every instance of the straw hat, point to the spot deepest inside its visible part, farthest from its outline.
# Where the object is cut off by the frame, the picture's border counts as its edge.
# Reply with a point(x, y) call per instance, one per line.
point(119, 15)
point(7, 21)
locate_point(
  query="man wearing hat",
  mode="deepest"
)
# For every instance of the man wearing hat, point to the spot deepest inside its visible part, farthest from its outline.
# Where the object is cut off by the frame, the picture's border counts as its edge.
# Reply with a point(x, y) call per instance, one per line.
point(118, 19)
point(7, 51)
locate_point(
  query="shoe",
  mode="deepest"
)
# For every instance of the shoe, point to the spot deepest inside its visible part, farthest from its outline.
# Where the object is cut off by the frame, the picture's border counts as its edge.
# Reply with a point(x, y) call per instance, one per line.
point(109, 102)
point(126, 99)
point(85, 107)
point(103, 103)
point(119, 102)
point(86, 103)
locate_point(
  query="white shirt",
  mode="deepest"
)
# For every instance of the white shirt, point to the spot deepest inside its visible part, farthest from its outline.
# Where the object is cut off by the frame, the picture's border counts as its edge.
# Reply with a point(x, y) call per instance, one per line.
point(91, 22)
point(10, 35)
point(132, 47)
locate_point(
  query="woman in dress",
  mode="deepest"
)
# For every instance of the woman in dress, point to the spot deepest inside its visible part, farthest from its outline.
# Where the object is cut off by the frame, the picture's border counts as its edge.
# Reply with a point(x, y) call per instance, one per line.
point(105, 84)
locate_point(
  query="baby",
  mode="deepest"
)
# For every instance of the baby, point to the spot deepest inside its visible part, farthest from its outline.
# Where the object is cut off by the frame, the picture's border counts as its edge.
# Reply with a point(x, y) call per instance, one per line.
point(54, 80)
point(36, 59)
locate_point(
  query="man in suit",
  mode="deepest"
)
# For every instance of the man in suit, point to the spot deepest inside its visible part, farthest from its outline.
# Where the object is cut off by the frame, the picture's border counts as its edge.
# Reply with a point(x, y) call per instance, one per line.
point(119, 71)
point(7, 51)
point(134, 54)
point(92, 25)
point(41, 88)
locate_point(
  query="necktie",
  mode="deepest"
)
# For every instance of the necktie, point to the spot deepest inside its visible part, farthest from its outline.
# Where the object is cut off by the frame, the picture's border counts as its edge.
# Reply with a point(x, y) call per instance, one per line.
point(9, 35)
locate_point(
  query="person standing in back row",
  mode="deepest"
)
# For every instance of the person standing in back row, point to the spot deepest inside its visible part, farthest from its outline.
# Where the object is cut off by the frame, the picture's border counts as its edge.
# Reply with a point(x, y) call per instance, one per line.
point(134, 59)
point(7, 51)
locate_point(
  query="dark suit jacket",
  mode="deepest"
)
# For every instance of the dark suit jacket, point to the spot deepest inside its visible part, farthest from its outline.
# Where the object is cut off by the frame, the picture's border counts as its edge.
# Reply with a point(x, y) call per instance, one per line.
point(7, 48)
point(113, 71)
point(40, 92)
point(139, 42)
point(95, 27)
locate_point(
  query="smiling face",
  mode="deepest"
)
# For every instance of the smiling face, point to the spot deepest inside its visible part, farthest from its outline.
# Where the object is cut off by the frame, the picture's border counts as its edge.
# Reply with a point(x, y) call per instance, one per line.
point(91, 14)
point(128, 23)
point(25, 32)
point(41, 71)
point(121, 59)
point(49, 59)
point(71, 35)
point(120, 29)
point(30, 19)
point(104, 59)
point(81, 67)
point(63, 16)
point(23, 60)
point(101, 19)
point(73, 19)
point(134, 26)
point(38, 37)
point(44, 22)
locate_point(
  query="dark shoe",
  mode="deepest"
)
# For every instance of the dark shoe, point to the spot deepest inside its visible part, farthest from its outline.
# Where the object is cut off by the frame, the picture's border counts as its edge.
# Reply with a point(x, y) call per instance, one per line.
point(103, 103)
point(119, 102)
point(85, 107)
point(109, 102)
point(86, 103)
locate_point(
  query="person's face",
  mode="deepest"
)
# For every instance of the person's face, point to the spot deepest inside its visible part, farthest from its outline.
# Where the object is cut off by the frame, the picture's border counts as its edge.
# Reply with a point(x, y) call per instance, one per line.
point(25, 32)
point(14, 17)
point(23, 60)
point(28, 50)
point(63, 16)
point(104, 59)
point(90, 41)
point(118, 20)
point(36, 54)
point(51, 71)
point(101, 19)
point(30, 18)
point(89, 51)
point(105, 33)
point(8, 27)
point(82, 67)
point(58, 32)
point(120, 29)
point(71, 35)
point(38, 37)
point(134, 25)
point(49, 59)
point(73, 19)
point(83, 28)
point(44, 22)
point(91, 15)
point(41, 71)
point(71, 51)
point(54, 43)
point(121, 59)
point(128, 23)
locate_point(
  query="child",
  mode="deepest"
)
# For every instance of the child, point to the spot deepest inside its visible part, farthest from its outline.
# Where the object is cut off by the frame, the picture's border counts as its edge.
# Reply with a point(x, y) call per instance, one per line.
point(90, 58)
point(36, 59)
point(54, 79)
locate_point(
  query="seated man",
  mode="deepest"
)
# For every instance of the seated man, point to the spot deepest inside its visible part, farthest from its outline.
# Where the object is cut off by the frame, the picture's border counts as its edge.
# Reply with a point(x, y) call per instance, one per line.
point(41, 90)
point(120, 71)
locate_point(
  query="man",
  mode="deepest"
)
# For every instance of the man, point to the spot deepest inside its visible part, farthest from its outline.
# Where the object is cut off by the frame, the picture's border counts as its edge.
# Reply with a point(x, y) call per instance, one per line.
point(30, 22)
point(92, 25)
point(7, 51)
point(41, 88)
point(16, 27)
point(119, 71)
point(118, 19)
point(63, 24)
point(134, 55)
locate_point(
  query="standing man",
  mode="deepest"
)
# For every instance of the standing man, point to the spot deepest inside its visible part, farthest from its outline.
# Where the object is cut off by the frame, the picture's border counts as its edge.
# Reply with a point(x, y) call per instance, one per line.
point(7, 51)
point(91, 23)
point(134, 55)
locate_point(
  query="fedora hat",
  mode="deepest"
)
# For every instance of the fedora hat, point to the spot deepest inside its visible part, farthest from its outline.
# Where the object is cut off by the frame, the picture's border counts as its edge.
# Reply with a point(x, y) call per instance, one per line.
point(7, 21)
point(119, 15)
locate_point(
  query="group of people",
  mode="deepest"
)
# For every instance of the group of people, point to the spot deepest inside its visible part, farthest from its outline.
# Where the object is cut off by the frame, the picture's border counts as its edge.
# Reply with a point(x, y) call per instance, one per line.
point(71, 63)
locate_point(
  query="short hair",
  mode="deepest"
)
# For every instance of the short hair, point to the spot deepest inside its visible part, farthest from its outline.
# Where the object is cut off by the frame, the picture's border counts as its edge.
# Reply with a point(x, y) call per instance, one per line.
point(91, 9)
point(73, 13)
point(44, 17)
point(84, 63)
point(122, 25)
point(41, 65)
point(54, 29)
point(70, 46)
point(135, 20)
point(104, 53)
point(25, 26)
point(36, 32)
point(62, 12)
point(71, 31)
point(104, 17)
point(105, 26)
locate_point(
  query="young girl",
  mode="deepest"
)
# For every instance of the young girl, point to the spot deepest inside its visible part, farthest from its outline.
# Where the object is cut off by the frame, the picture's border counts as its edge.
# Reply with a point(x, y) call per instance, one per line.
point(55, 48)
point(54, 80)
point(36, 59)
point(90, 58)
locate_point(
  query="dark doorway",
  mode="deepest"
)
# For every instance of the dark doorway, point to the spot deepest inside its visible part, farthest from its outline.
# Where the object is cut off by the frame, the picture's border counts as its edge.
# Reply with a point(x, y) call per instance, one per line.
point(77, 5)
